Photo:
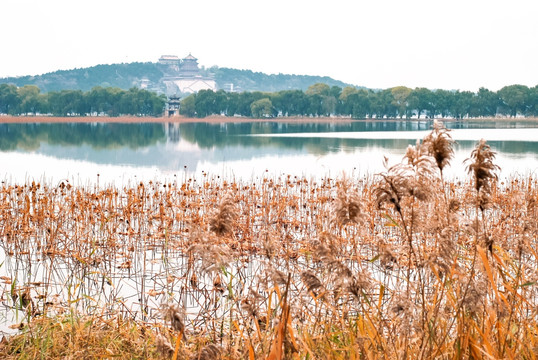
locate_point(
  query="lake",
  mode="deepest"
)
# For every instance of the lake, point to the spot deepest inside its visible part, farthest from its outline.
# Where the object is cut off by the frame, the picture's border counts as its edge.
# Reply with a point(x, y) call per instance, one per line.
point(115, 153)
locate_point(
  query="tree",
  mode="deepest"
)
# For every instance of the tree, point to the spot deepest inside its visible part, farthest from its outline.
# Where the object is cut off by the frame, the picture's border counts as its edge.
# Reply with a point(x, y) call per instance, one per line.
point(30, 99)
point(356, 104)
point(157, 103)
point(141, 102)
point(261, 108)
point(382, 104)
point(328, 105)
point(361, 107)
point(486, 103)
point(188, 106)
point(461, 106)
point(335, 91)
point(96, 99)
point(104, 100)
point(400, 95)
point(205, 103)
point(442, 101)
point(67, 102)
point(348, 90)
point(345, 106)
point(9, 99)
point(514, 98)
point(232, 104)
point(318, 89)
point(292, 103)
point(421, 99)
point(246, 99)
point(532, 108)
point(221, 102)
point(315, 107)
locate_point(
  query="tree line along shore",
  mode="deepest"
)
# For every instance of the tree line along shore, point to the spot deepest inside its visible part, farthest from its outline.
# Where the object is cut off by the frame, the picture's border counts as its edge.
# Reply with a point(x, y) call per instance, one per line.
point(319, 100)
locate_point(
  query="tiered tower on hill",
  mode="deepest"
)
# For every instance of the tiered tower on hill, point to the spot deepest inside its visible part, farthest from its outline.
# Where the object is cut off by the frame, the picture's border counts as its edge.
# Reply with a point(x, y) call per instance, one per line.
point(183, 75)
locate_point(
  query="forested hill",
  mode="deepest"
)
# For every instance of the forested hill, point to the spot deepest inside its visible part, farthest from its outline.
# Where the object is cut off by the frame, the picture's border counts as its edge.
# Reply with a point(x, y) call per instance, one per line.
point(123, 76)
point(247, 80)
point(129, 75)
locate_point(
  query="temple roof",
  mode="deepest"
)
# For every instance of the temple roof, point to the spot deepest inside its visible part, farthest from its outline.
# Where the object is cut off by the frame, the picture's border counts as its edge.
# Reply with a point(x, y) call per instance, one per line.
point(190, 57)
point(169, 57)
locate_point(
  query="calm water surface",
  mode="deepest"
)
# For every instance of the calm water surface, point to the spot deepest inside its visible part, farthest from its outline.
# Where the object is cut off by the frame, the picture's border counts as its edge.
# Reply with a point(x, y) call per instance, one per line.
point(122, 153)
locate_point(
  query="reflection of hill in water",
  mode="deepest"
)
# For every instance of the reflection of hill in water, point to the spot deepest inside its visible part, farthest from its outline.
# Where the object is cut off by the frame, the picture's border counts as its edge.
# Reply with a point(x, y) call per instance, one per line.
point(171, 146)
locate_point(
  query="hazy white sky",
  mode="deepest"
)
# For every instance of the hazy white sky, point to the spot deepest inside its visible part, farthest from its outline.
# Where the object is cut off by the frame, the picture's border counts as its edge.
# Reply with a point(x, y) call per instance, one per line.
point(449, 44)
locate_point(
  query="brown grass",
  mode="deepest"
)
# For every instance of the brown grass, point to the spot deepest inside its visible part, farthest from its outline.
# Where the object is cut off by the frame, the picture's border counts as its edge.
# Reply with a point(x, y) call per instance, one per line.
point(282, 267)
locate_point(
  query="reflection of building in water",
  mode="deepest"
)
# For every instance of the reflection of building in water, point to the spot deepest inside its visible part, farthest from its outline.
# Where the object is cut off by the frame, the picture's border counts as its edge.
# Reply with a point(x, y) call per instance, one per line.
point(172, 132)
point(184, 76)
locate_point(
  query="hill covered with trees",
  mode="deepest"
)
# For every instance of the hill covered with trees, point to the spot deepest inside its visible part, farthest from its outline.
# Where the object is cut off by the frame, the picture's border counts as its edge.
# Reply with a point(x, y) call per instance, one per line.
point(123, 76)
point(128, 75)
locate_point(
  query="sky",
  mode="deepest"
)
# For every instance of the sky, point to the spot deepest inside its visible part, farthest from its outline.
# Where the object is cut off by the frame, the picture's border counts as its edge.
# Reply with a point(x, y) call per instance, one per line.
point(448, 44)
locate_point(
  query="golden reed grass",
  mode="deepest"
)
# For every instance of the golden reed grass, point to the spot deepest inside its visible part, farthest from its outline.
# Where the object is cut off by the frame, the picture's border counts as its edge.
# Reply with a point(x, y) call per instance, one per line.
point(406, 265)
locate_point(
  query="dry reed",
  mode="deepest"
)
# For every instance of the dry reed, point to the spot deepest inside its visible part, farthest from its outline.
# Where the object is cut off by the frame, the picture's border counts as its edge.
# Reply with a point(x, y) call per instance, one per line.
point(396, 267)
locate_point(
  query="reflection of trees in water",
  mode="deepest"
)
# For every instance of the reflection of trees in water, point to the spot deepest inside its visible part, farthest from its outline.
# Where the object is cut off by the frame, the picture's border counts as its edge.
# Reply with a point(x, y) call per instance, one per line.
point(208, 136)
point(507, 147)
point(96, 135)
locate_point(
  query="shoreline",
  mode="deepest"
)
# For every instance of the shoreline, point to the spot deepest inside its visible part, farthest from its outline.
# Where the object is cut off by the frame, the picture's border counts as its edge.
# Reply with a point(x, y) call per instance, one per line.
point(174, 120)
point(7, 119)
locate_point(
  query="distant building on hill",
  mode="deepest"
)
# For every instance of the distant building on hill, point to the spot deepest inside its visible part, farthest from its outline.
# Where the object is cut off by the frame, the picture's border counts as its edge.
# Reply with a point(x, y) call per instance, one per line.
point(144, 83)
point(170, 60)
point(184, 76)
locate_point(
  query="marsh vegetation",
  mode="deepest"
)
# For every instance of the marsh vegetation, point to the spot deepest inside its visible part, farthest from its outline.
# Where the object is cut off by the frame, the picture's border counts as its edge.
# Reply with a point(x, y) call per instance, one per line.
point(406, 264)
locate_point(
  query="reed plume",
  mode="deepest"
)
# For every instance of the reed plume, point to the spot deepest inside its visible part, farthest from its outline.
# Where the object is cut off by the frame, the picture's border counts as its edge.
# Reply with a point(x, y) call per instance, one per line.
point(278, 277)
point(208, 352)
point(173, 314)
point(347, 204)
point(251, 303)
point(164, 347)
point(222, 222)
point(213, 257)
point(446, 251)
point(483, 170)
point(324, 249)
point(311, 282)
point(440, 145)
point(405, 316)
point(473, 301)
point(393, 187)
point(386, 255)
point(420, 173)
point(406, 179)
